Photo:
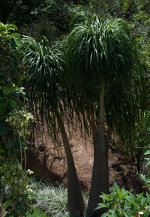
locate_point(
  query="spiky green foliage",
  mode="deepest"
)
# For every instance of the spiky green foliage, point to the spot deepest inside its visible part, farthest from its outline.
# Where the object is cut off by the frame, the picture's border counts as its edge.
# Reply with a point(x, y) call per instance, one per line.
point(104, 52)
point(44, 69)
point(52, 200)
point(78, 18)
point(43, 65)
point(97, 51)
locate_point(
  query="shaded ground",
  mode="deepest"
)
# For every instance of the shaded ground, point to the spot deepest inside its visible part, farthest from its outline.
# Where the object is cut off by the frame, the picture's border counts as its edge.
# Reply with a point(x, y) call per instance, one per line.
point(48, 160)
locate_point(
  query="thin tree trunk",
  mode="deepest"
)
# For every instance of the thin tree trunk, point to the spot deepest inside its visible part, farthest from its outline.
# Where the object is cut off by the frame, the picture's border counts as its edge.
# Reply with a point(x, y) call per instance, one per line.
point(100, 174)
point(76, 204)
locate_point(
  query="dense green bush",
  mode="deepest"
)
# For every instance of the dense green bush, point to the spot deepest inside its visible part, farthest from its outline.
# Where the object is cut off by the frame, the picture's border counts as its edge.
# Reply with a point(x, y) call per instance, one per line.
point(13, 127)
point(37, 213)
point(58, 12)
point(24, 11)
point(6, 8)
point(123, 203)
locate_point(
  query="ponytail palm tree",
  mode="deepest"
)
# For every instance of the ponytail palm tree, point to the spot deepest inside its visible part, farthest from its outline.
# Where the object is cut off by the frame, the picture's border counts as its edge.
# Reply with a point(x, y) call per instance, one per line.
point(102, 63)
point(44, 66)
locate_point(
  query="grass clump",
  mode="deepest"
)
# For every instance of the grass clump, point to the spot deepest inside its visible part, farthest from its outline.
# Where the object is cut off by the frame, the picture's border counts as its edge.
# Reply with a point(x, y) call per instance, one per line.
point(52, 200)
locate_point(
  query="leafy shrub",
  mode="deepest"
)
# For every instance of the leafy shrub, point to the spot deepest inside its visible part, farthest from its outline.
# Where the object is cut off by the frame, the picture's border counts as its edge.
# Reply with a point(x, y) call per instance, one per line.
point(139, 141)
point(135, 144)
point(37, 213)
point(123, 203)
point(17, 194)
point(6, 7)
point(25, 11)
point(146, 176)
point(58, 12)
point(55, 12)
point(40, 28)
point(12, 134)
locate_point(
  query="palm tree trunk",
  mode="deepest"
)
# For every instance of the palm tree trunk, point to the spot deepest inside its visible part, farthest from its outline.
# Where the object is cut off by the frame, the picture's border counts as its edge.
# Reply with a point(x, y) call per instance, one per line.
point(76, 204)
point(100, 173)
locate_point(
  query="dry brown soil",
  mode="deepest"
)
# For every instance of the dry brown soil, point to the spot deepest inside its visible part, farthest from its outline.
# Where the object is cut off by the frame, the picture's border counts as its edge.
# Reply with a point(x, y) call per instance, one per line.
point(48, 160)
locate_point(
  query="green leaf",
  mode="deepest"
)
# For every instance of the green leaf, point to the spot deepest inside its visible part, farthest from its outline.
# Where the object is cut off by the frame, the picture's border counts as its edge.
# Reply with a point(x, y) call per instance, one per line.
point(146, 213)
point(13, 103)
point(17, 41)
point(112, 213)
point(125, 195)
point(106, 197)
point(6, 90)
point(148, 163)
point(116, 187)
point(147, 152)
point(119, 194)
point(14, 35)
point(19, 166)
point(143, 177)
point(11, 27)
point(136, 205)
point(105, 215)
point(126, 215)
point(101, 205)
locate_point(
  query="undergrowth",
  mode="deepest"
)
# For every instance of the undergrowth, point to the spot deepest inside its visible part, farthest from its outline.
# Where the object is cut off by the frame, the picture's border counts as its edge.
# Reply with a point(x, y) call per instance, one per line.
point(50, 199)
point(37, 213)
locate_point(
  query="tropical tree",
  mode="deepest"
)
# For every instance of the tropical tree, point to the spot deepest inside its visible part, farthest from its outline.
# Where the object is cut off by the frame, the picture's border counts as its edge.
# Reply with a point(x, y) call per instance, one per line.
point(44, 66)
point(101, 74)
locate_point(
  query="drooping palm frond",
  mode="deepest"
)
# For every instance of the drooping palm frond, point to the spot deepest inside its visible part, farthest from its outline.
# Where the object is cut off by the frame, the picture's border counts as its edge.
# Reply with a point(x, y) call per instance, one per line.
point(98, 51)
point(43, 64)
point(78, 18)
